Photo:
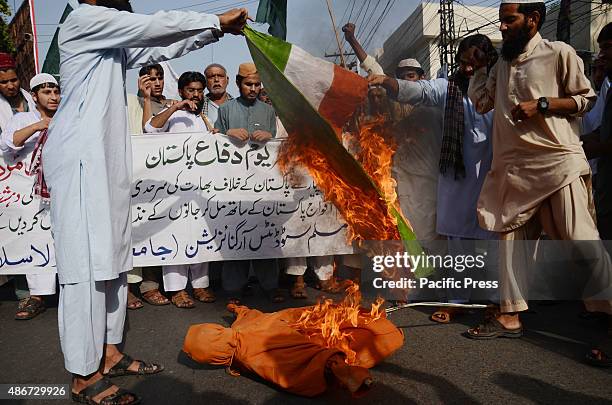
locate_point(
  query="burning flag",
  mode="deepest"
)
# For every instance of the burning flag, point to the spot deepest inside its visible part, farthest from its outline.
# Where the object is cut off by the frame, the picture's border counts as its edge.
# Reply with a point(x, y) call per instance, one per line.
point(314, 99)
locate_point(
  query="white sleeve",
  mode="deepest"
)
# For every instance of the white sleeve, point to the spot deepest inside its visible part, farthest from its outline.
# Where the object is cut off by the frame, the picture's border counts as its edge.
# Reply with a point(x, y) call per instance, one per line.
point(371, 66)
point(96, 28)
point(427, 92)
point(12, 126)
point(137, 57)
point(150, 129)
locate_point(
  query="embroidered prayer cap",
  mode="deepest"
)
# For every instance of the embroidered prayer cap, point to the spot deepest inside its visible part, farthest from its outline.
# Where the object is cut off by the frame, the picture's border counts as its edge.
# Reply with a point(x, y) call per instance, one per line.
point(7, 61)
point(409, 63)
point(42, 78)
point(246, 69)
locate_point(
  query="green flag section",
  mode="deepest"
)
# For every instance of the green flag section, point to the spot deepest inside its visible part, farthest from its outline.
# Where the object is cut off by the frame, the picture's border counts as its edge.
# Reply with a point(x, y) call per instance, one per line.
point(313, 99)
point(274, 13)
point(52, 60)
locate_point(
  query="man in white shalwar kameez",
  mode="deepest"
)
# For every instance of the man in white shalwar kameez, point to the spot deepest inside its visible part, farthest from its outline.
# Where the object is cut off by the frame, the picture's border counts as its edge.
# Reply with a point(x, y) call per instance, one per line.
point(88, 168)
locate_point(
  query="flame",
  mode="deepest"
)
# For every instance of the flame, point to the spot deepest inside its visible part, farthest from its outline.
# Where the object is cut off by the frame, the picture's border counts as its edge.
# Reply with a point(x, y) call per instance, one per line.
point(326, 320)
point(365, 212)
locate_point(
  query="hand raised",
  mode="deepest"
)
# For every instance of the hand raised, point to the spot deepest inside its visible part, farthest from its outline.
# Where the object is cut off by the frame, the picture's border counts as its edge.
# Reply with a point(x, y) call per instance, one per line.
point(233, 21)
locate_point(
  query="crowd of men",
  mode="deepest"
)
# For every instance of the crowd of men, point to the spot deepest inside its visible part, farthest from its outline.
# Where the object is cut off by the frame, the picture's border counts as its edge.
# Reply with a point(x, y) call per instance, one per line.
point(497, 151)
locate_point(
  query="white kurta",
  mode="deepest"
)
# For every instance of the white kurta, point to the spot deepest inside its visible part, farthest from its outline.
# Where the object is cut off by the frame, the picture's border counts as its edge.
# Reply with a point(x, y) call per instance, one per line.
point(6, 113)
point(87, 158)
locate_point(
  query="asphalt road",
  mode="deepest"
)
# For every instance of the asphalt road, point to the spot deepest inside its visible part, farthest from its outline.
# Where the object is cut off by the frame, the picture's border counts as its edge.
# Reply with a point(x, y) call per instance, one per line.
point(436, 365)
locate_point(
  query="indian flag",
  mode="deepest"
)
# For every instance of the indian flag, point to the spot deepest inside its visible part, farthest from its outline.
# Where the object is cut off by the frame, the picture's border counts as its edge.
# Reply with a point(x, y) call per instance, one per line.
point(315, 98)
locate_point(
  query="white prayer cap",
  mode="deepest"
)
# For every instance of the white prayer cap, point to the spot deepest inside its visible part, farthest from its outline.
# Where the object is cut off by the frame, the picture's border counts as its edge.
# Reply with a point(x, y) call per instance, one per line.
point(521, 1)
point(42, 78)
point(409, 63)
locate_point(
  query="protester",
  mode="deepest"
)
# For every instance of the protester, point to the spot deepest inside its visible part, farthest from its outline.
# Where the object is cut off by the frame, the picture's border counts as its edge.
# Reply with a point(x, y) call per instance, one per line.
point(216, 84)
point(14, 99)
point(539, 177)
point(88, 168)
point(185, 116)
point(150, 99)
point(20, 134)
point(465, 158)
point(242, 119)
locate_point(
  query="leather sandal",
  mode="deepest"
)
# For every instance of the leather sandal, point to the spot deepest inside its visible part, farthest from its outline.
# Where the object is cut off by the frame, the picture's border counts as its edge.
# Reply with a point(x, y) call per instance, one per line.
point(205, 295)
point(182, 300)
point(122, 368)
point(87, 394)
point(32, 307)
point(155, 297)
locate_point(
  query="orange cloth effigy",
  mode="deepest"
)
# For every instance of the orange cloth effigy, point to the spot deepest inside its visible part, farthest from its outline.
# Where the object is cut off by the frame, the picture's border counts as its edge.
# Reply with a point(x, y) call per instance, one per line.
point(269, 345)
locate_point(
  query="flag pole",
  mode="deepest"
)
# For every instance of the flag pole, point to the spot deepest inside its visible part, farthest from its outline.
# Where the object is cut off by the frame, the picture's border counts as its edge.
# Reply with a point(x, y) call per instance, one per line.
point(333, 19)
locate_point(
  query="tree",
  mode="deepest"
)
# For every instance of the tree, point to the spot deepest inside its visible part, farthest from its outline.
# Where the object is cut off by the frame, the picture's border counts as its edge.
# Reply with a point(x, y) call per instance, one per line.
point(6, 45)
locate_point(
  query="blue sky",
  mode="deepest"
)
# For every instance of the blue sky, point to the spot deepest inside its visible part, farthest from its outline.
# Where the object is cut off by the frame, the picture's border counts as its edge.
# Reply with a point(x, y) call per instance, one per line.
point(308, 21)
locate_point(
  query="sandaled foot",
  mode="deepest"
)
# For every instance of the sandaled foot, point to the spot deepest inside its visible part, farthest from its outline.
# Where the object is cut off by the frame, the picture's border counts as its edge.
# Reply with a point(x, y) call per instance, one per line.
point(491, 329)
point(30, 308)
point(205, 295)
point(445, 314)
point(128, 366)
point(298, 291)
point(182, 300)
point(104, 392)
point(155, 297)
point(133, 302)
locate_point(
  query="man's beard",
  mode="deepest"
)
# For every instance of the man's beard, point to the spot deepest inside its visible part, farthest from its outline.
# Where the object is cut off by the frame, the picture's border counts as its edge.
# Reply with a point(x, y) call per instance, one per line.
point(462, 81)
point(512, 48)
point(121, 5)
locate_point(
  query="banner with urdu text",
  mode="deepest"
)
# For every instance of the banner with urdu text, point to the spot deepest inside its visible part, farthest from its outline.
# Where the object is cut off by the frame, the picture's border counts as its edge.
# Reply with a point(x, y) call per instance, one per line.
point(195, 197)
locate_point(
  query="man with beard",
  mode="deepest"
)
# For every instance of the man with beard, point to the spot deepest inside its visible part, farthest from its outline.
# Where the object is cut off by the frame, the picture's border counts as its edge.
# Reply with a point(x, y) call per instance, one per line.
point(242, 119)
point(466, 153)
point(216, 84)
point(539, 177)
point(185, 116)
point(87, 164)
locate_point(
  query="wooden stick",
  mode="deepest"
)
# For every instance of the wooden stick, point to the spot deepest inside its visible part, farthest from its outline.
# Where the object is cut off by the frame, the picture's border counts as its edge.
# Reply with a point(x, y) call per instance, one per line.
point(333, 19)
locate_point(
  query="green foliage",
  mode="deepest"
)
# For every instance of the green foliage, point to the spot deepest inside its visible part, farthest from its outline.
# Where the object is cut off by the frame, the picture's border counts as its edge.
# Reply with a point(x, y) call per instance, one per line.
point(6, 45)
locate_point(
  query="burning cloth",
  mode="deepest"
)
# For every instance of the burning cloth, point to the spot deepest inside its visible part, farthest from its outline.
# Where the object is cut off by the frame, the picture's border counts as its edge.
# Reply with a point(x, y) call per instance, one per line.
point(297, 348)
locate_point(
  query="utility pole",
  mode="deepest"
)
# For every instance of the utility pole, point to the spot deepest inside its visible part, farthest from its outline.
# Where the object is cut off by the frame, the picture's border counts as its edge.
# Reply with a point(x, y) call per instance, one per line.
point(447, 35)
point(333, 20)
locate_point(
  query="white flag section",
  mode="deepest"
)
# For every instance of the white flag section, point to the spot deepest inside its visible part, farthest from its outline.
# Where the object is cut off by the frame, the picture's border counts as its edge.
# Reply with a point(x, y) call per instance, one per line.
point(195, 198)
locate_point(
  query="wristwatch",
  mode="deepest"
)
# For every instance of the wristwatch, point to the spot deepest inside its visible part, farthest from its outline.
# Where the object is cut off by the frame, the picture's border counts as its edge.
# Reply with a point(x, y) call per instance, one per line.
point(543, 105)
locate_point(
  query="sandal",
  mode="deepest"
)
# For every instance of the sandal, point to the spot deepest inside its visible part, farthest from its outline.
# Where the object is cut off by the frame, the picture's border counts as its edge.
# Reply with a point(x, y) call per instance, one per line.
point(445, 314)
point(155, 297)
point(32, 307)
point(133, 302)
point(491, 329)
point(122, 368)
point(116, 398)
point(298, 291)
point(182, 300)
point(205, 295)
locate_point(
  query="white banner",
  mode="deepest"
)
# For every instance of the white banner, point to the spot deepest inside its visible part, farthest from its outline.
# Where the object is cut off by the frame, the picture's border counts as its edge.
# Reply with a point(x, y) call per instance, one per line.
point(195, 198)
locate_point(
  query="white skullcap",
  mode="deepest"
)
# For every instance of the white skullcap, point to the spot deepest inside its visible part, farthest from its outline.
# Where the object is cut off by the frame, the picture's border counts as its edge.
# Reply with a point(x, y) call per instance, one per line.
point(42, 78)
point(409, 63)
point(521, 1)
